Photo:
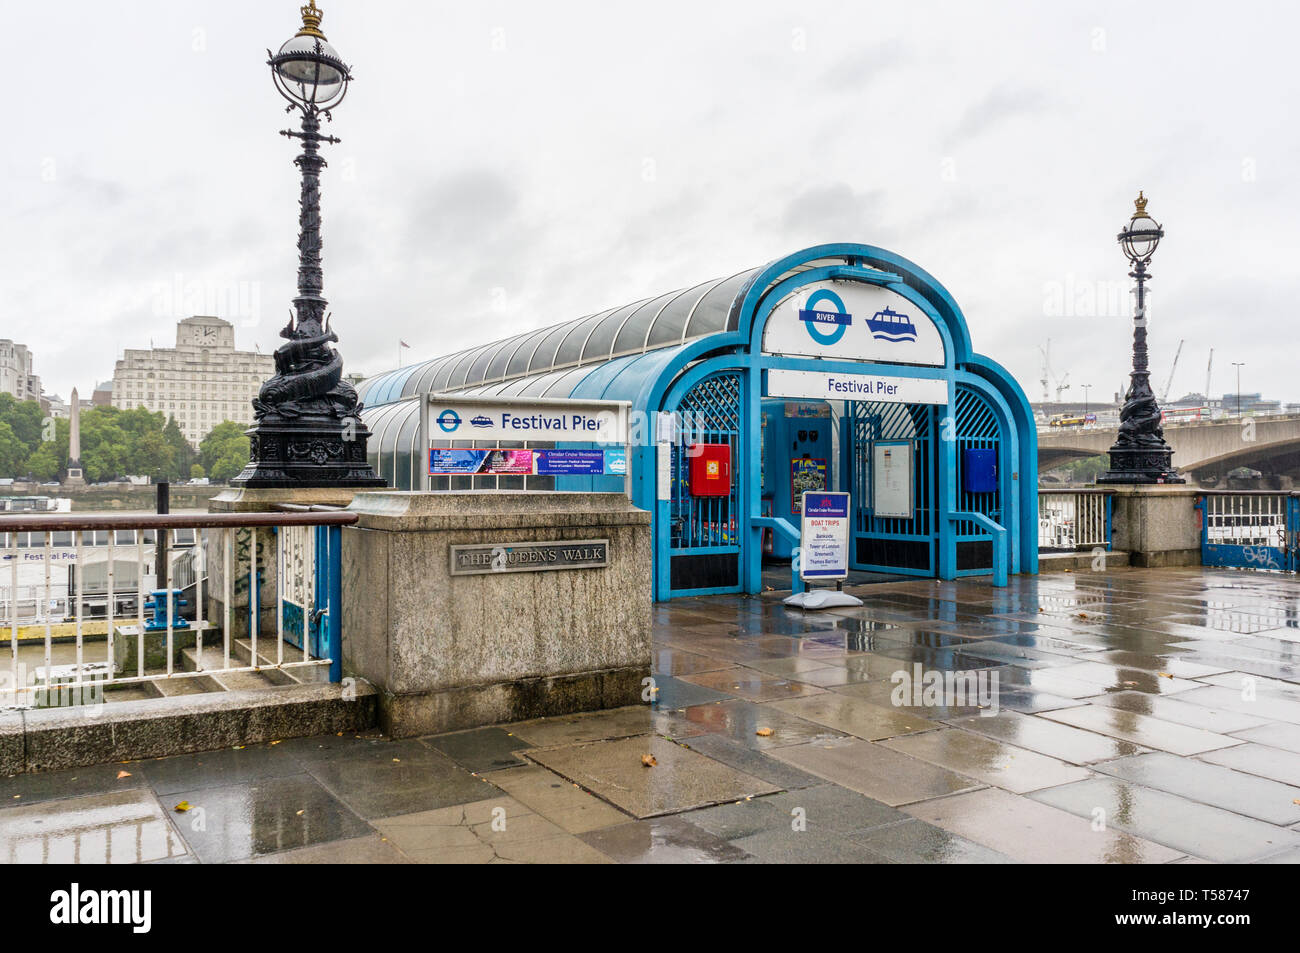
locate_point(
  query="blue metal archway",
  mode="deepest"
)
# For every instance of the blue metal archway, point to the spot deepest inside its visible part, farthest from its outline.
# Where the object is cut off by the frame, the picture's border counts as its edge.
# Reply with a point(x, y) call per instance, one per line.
point(700, 352)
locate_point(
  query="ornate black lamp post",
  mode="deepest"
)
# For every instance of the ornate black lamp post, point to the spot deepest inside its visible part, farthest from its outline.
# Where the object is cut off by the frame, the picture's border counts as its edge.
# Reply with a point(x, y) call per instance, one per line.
point(1140, 454)
point(308, 430)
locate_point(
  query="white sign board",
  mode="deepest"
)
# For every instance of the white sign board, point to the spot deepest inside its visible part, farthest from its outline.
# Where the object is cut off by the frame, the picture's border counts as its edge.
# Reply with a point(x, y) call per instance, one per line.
point(540, 420)
point(832, 385)
point(824, 535)
point(853, 321)
point(891, 479)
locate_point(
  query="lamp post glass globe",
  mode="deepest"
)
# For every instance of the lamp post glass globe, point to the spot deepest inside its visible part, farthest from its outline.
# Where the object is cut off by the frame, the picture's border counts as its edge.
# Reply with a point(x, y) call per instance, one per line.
point(307, 70)
point(1141, 235)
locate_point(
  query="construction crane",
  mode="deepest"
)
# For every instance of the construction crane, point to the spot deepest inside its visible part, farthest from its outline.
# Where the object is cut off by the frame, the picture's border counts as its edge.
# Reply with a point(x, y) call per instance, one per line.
point(1209, 366)
point(1170, 383)
point(1048, 375)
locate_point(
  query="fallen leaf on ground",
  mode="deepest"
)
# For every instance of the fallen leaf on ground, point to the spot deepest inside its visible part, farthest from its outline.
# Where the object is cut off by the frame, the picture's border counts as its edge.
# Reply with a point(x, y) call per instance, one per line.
point(182, 807)
point(275, 742)
point(648, 760)
point(764, 732)
point(123, 774)
point(1164, 674)
point(300, 813)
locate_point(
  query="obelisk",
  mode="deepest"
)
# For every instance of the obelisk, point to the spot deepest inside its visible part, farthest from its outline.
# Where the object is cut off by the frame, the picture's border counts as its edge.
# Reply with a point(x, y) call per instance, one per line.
point(74, 477)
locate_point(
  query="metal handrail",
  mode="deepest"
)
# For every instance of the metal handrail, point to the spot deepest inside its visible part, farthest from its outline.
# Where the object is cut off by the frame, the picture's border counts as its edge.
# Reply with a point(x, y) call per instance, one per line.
point(57, 522)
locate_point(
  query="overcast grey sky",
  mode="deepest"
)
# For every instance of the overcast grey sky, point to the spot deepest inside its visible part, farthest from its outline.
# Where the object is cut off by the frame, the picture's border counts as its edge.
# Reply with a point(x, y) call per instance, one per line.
point(507, 165)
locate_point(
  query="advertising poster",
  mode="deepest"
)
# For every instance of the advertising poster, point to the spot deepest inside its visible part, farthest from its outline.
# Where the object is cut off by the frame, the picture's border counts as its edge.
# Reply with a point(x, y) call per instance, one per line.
point(616, 462)
point(570, 462)
point(824, 541)
point(806, 474)
point(445, 462)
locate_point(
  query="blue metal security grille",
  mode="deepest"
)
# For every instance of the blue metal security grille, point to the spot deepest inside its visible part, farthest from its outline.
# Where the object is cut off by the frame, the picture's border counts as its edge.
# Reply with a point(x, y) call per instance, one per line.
point(974, 427)
point(893, 544)
point(704, 538)
point(710, 413)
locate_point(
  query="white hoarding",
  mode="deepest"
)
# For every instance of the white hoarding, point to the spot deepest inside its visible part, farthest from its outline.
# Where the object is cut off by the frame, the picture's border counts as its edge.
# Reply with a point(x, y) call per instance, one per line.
point(507, 418)
point(853, 321)
point(831, 385)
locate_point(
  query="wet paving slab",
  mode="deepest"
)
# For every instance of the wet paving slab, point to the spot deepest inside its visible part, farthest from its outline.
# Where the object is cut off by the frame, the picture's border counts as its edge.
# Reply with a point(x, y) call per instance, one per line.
point(1210, 784)
point(1181, 712)
point(1141, 729)
point(664, 840)
point(915, 842)
point(118, 827)
point(1033, 832)
point(1062, 742)
point(752, 762)
point(752, 685)
point(494, 830)
point(1151, 698)
point(1262, 761)
point(996, 764)
point(679, 779)
point(1181, 824)
point(853, 716)
point(561, 801)
point(1273, 734)
point(603, 725)
point(875, 771)
point(1261, 705)
point(241, 821)
point(1115, 678)
point(756, 726)
point(408, 776)
point(481, 749)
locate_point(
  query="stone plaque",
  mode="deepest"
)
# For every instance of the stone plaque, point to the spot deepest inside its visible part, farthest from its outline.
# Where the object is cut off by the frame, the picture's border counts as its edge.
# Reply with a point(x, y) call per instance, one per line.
point(484, 558)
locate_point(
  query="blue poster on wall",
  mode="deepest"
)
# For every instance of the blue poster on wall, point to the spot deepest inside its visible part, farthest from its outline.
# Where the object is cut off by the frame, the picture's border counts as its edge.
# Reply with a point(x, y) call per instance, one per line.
point(571, 462)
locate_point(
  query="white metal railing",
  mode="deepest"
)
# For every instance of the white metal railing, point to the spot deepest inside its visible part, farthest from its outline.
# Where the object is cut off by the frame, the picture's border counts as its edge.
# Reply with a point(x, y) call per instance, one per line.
point(75, 587)
point(1246, 519)
point(1073, 519)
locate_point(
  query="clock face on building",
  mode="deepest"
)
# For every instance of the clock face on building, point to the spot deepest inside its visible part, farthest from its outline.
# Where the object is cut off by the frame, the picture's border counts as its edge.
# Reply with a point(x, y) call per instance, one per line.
point(206, 335)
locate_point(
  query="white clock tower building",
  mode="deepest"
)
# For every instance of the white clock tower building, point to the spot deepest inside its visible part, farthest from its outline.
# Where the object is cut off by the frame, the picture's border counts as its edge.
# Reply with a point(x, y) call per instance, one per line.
point(201, 382)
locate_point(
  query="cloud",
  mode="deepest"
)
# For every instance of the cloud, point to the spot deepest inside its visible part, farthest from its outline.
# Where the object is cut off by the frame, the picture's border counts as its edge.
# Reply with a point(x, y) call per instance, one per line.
point(832, 212)
point(1001, 105)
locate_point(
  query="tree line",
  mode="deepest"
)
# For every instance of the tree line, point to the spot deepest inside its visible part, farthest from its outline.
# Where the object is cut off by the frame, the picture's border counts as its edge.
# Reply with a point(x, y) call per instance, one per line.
point(114, 443)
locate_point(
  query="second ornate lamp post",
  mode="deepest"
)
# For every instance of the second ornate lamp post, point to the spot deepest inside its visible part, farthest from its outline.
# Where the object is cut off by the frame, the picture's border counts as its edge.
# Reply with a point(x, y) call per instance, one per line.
point(1140, 453)
point(308, 430)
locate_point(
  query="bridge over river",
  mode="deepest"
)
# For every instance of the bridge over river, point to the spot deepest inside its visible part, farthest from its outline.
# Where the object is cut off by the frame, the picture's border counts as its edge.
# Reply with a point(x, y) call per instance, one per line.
point(1204, 450)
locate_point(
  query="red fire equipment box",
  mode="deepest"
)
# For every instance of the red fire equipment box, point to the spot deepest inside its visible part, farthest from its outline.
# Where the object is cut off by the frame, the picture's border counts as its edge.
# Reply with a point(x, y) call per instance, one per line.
point(710, 469)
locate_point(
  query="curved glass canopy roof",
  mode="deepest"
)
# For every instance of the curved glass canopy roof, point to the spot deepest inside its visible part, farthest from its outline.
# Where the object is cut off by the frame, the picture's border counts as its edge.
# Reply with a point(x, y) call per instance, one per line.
point(646, 325)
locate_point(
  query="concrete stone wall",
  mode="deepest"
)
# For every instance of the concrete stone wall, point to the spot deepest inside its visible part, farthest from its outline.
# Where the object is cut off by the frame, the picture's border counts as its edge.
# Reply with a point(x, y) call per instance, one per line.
point(1157, 525)
point(449, 652)
point(241, 500)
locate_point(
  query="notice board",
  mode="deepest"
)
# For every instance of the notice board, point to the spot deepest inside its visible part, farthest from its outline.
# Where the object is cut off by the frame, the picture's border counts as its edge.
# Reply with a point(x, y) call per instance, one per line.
point(891, 479)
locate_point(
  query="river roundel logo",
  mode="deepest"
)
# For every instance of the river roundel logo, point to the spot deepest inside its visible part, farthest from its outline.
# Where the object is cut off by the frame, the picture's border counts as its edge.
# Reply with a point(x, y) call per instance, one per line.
point(448, 421)
point(824, 326)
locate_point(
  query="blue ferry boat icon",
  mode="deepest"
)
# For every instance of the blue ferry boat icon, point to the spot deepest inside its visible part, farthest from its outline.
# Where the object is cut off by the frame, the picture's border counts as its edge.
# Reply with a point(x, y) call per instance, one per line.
point(889, 325)
point(480, 421)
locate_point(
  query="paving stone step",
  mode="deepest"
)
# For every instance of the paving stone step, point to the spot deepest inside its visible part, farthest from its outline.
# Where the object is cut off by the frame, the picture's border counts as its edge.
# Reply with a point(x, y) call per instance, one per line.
point(266, 652)
point(174, 687)
point(50, 738)
point(213, 661)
